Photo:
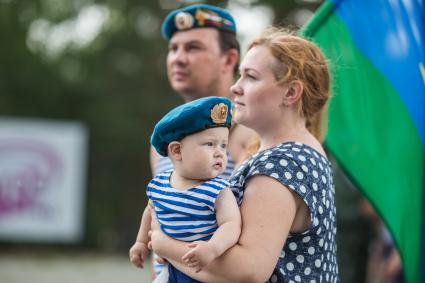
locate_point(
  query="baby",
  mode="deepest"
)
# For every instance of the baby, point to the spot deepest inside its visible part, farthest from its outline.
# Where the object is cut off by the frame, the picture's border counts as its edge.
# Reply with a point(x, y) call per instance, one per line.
point(191, 202)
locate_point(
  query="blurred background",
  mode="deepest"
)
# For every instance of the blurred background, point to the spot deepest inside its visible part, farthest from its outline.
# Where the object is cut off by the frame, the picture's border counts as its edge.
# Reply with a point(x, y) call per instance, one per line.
point(82, 84)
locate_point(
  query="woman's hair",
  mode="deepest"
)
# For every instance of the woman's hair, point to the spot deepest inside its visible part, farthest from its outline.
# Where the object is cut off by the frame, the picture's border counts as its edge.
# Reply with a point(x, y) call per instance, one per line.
point(300, 59)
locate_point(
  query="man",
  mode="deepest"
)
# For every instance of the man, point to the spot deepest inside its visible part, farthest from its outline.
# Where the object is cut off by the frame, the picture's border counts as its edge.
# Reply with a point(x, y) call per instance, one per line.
point(203, 55)
point(202, 60)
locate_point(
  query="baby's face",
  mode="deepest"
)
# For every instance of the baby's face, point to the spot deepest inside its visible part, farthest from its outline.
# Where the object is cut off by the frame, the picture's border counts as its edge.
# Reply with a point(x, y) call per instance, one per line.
point(204, 154)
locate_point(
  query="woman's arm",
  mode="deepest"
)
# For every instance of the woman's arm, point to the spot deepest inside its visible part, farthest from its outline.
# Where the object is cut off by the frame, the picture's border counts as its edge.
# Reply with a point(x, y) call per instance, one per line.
point(268, 211)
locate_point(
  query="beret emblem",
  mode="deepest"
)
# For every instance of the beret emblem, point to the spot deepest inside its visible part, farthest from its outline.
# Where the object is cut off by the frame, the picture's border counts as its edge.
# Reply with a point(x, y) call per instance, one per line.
point(209, 18)
point(219, 113)
point(183, 20)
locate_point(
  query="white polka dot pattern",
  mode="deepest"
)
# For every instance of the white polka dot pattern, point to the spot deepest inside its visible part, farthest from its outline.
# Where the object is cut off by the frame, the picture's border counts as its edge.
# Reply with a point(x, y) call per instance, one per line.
point(309, 256)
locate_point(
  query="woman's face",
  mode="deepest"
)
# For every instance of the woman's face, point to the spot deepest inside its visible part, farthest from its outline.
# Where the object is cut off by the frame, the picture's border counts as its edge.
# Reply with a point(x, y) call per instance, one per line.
point(258, 96)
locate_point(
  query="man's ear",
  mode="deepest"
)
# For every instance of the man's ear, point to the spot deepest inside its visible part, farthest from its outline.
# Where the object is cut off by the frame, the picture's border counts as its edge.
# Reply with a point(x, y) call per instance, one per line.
point(174, 150)
point(293, 92)
point(231, 59)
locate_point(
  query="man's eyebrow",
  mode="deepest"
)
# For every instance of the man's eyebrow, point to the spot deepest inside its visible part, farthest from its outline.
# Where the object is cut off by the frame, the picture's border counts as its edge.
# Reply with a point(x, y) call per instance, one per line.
point(194, 41)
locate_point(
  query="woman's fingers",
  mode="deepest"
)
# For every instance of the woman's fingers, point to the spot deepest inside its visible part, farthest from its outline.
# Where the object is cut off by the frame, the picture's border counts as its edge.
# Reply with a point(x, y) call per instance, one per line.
point(161, 260)
point(188, 256)
point(193, 263)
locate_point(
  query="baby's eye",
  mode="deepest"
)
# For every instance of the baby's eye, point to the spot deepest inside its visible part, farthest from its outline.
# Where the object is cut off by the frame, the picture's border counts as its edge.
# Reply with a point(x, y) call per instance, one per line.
point(224, 145)
point(209, 144)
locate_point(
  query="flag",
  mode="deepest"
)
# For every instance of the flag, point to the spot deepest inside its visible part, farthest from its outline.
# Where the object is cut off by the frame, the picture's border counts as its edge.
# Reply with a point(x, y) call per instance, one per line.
point(376, 116)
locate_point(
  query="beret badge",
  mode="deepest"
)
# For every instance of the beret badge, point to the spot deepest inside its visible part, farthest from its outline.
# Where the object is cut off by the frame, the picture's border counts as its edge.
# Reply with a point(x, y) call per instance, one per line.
point(183, 20)
point(219, 113)
point(209, 18)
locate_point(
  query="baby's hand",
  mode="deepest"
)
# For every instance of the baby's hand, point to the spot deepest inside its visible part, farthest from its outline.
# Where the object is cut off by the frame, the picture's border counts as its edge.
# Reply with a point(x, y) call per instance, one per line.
point(200, 255)
point(138, 253)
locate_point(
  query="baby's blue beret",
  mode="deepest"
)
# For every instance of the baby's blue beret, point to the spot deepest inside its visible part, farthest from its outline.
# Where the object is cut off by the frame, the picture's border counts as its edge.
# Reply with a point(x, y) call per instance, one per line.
point(197, 16)
point(189, 118)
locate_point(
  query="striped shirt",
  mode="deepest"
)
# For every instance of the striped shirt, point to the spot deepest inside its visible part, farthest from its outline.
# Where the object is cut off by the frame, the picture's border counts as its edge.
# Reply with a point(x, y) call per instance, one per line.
point(186, 215)
point(164, 164)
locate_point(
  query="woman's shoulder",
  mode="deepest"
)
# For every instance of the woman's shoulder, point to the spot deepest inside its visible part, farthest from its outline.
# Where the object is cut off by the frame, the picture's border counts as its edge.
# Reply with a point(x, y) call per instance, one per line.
point(292, 163)
point(295, 165)
point(290, 151)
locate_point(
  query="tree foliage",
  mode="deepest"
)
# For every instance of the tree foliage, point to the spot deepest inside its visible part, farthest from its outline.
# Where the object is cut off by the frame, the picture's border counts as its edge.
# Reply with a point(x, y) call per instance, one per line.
point(115, 83)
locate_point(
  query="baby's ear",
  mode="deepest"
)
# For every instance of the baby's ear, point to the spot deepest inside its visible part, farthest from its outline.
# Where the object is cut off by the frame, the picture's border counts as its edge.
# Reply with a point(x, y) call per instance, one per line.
point(174, 150)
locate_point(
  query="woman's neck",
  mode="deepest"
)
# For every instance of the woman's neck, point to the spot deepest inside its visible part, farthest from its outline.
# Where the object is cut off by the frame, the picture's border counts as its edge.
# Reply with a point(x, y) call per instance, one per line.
point(290, 130)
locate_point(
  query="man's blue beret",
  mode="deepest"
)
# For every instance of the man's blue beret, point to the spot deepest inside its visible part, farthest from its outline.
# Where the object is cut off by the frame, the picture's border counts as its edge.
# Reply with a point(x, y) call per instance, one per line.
point(197, 16)
point(189, 118)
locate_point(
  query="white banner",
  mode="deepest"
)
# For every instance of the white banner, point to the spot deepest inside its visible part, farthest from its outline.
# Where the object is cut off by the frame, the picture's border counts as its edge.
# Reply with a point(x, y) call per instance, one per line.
point(42, 180)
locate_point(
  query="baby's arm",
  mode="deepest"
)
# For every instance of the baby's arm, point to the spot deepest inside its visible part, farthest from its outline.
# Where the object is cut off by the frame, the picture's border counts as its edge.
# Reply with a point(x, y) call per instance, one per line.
point(139, 251)
point(229, 222)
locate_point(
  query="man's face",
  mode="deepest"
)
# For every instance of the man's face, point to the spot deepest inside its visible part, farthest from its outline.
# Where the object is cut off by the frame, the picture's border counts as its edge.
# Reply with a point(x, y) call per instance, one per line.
point(195, 63)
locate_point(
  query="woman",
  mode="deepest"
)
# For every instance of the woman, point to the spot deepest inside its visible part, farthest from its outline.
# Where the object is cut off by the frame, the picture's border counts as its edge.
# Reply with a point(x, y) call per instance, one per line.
point(285, 190)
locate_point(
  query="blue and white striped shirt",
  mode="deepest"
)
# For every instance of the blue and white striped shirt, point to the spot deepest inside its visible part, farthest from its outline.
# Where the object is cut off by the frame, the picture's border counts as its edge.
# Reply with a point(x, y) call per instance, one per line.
point(187, 215)
point(164, 164)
